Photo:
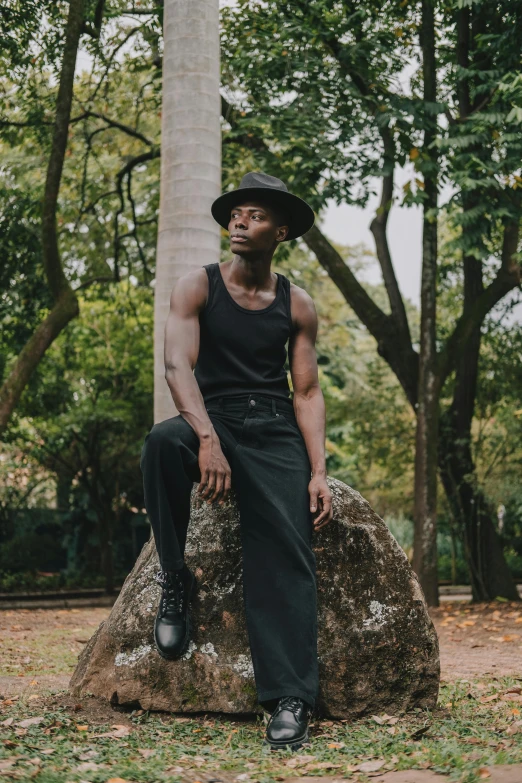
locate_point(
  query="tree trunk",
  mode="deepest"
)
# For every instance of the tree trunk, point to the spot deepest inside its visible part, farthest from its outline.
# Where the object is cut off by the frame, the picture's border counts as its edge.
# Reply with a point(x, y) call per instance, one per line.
point(425, 507)
point(489, 573)
point(188, 236)
point(66, 304)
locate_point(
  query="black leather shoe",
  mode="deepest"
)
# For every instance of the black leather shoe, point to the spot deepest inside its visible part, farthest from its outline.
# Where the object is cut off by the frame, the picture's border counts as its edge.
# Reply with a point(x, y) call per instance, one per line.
point(288, 724)
point(172, 624)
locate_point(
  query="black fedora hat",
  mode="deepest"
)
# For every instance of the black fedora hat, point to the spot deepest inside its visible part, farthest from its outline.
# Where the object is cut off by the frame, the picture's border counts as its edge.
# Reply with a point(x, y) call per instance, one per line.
point(258, 185)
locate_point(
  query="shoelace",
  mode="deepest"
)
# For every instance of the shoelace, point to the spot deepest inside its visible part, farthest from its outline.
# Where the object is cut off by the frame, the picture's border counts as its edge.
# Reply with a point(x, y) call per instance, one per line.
point(292, 703)
point(172, 598)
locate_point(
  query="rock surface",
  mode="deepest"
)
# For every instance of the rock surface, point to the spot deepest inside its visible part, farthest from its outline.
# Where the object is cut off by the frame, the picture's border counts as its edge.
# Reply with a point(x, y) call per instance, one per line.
point(377, 647)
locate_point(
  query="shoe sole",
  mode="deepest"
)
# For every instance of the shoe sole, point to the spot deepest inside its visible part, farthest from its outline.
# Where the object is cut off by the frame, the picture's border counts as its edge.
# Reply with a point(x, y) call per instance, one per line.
point(186, 641)
point(293, 745)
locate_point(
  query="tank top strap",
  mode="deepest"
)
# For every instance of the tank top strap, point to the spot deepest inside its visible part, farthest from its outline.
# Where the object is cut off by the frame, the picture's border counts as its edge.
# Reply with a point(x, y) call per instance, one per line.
point(287, 301)
point(211, 270)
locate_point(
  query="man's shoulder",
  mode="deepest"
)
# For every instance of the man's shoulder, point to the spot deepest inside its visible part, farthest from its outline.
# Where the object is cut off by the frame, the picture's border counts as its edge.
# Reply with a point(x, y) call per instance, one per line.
point(304, 315)
point(300, 296)
point(192, 288)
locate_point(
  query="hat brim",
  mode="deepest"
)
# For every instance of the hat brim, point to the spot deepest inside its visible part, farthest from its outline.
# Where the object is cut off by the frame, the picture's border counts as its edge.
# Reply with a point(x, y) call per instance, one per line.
point(300, 214)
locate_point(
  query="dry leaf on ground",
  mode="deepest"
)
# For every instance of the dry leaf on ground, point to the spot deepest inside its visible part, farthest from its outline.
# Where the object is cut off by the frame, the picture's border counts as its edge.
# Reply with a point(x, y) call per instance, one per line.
point(30, 722)
point(370, 766)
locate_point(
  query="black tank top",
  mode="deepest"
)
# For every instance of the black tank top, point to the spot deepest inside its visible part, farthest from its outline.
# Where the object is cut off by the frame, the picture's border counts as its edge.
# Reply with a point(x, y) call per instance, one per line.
point(242, 351)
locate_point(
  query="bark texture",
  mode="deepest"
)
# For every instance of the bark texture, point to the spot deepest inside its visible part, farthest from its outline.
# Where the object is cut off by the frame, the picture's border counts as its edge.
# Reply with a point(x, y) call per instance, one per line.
point(188, 236)
point(377, 647)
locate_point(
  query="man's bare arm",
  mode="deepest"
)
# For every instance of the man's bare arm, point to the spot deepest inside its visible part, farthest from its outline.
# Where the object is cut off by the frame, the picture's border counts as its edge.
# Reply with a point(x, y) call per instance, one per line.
point(181, 353)
point(309, 401)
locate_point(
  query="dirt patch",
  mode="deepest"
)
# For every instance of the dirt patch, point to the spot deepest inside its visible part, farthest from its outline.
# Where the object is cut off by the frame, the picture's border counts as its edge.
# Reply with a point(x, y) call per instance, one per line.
point(37, 642)
point(39, 647)
point(479, 639)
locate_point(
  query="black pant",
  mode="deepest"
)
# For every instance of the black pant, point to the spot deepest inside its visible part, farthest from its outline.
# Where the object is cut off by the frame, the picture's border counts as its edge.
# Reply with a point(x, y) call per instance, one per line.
point(270, 470)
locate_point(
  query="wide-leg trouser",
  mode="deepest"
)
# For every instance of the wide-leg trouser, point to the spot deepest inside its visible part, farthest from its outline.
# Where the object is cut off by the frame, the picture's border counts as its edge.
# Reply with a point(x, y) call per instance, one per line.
point(270, 471)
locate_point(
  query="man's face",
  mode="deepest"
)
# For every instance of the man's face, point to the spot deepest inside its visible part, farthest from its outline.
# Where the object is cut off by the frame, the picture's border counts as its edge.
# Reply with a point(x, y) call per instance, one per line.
point(254, 226)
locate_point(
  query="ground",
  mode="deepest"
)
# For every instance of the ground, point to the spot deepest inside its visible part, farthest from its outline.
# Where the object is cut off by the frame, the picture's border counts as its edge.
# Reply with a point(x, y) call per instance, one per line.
point(47, 736)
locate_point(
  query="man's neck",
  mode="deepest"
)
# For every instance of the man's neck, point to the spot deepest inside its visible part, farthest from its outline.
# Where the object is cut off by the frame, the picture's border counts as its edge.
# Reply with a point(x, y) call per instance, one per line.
point(251, 274)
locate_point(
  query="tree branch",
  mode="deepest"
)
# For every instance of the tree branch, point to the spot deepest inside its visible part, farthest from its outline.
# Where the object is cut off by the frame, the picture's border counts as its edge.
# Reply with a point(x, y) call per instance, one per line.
point(402, 358)
point(51, 256)
point(65, 302)
point(507, 279)
point(114, 124)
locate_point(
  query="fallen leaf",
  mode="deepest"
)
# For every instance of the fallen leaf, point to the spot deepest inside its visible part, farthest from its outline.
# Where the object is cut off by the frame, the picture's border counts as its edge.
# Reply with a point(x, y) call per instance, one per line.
point(117, 780)
point(324, 765)
point(30, 722)
point(87, 766)
point(512, 697)
point(119, 732)
point(420, 732)
point(146, 752)
point(299, 761)
point(82, 728)
point(335, 745)
point(483, 773)
point(6, 722)
point(370, 766)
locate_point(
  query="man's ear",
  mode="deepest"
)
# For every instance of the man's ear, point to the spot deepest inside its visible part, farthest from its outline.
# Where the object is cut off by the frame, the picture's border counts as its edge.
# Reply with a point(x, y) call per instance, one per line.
point(282, 232)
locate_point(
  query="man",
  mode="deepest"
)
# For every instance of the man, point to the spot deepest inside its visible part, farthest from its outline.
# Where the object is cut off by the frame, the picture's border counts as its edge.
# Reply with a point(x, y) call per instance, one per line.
point(238, 427)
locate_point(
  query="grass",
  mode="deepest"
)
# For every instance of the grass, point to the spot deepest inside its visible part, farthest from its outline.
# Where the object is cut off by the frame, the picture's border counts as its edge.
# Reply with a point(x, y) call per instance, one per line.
point(474, 726)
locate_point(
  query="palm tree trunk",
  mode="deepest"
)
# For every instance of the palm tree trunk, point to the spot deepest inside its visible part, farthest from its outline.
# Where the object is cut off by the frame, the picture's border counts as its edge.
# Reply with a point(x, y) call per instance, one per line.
point(188, 236)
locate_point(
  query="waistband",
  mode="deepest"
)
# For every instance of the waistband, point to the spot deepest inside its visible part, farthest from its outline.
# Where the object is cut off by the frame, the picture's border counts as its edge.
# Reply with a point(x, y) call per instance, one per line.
point(245, 401)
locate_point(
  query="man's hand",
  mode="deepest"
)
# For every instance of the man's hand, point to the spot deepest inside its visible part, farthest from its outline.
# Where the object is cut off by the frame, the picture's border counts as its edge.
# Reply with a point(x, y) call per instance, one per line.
point(215, 471)
point(320, 501)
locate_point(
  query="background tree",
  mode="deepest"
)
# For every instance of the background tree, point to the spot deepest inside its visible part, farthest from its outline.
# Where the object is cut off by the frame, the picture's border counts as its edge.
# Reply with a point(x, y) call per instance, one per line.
point(86, 415)
point(345, 65)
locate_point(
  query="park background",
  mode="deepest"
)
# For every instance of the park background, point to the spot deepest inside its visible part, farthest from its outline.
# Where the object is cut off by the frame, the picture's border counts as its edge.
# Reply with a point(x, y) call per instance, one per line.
point(71, 501)
point(400, 115)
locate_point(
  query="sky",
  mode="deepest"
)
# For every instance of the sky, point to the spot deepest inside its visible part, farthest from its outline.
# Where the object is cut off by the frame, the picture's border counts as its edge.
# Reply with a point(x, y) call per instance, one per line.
point(351, 226)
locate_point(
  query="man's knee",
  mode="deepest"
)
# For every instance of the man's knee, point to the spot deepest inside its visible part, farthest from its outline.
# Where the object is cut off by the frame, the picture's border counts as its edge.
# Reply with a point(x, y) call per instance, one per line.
point(168, 434)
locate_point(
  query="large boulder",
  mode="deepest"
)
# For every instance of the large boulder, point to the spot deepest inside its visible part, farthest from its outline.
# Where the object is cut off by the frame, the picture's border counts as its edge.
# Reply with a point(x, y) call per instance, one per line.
point(377, 646)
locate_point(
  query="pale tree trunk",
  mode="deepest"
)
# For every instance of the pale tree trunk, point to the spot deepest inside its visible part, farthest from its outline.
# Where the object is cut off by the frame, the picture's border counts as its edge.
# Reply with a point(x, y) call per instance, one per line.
point(188, 235)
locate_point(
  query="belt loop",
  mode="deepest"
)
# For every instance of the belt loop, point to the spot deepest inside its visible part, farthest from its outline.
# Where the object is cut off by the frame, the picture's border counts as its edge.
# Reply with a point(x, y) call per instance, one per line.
point(274, 409)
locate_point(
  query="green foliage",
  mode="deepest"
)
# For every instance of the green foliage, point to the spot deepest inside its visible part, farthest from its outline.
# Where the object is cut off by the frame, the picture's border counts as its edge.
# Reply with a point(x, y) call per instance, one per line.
point(85, 415)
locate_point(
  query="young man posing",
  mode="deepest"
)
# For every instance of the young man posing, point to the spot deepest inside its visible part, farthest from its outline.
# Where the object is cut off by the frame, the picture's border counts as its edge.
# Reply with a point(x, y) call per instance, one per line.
point(238, 427)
